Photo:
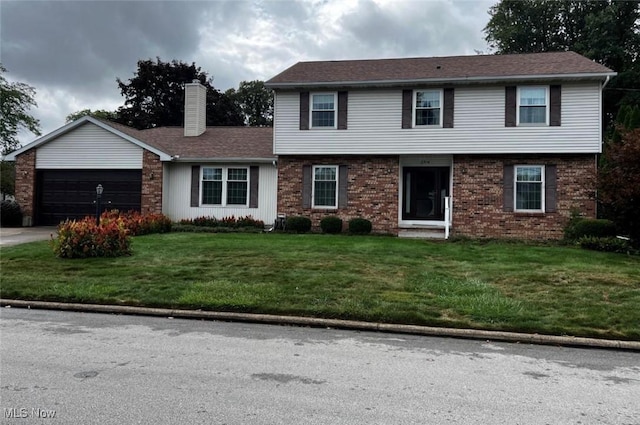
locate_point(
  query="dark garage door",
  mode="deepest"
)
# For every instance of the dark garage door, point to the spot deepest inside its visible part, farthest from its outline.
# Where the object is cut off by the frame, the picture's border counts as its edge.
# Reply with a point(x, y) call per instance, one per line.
point(62, 194)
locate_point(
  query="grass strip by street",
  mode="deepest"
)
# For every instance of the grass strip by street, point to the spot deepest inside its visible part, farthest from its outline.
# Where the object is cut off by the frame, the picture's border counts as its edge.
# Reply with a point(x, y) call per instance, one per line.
point(465, 284)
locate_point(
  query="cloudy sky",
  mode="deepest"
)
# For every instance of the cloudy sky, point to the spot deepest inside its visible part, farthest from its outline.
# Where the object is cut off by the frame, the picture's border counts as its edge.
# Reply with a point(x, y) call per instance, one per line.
point(71, 52)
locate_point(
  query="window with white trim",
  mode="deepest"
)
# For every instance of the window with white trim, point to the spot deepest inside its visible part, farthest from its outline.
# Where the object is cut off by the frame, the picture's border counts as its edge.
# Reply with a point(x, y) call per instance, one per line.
point(323, 110)
point(325, 186)
point(427, 109)
point(533, 105)
point(224, 186)
point(529, 188)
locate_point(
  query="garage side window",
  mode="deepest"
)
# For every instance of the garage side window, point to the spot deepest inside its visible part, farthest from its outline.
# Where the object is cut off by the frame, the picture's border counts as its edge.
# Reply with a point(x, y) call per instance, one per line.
point(225, 186)
point(237, 186)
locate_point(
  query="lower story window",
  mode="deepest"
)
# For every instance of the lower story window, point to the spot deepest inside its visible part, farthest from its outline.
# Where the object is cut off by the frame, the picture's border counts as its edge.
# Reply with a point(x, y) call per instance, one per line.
point(224, 186)
point(529, 188)
point(325, 184)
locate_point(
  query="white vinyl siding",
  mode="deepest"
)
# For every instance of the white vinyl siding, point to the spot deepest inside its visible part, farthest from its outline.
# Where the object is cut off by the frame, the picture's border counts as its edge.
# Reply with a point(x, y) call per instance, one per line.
point(177, 199)
point(375, 121)
point(89, 147)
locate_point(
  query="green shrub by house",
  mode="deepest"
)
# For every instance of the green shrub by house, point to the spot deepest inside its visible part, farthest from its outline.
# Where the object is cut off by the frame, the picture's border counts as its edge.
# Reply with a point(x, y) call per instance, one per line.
point(588, 227)
point(10, 214)
point(359, 226)
point(331, 224)
point(608, 244)
point(298, 224)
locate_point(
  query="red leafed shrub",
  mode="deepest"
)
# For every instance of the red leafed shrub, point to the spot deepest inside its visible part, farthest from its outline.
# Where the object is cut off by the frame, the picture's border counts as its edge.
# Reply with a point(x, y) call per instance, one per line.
point(138, 224)
point(620, 183)
point(83, 239)
point(230, 222)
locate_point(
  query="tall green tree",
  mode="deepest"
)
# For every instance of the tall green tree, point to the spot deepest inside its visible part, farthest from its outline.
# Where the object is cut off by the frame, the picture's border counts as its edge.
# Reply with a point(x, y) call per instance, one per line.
point(255, 101)
point(98, 113)
point(154, 97)
point(16, 99)
point(605, 31)
point(619, 177)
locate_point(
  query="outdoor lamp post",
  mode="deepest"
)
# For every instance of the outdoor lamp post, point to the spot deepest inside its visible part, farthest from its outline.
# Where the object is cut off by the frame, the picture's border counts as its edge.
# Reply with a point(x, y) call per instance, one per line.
point(99, 190)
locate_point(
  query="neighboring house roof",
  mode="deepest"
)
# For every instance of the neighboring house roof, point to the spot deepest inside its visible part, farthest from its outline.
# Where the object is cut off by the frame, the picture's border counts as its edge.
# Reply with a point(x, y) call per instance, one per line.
point(216, 143)
point(439, 69)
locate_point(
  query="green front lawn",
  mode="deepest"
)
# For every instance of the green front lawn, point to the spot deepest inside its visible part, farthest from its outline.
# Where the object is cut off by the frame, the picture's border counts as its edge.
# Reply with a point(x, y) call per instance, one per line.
point(491, 285)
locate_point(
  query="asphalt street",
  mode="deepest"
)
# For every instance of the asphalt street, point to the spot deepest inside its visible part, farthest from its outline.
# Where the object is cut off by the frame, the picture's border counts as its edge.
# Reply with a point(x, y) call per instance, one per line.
point(63, 367)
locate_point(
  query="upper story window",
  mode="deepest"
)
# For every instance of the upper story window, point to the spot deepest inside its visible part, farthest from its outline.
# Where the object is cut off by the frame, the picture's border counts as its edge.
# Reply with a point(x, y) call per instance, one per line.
point(529, 188)
point(325, 186)
point(533, 105)
point(427, 107)
point(224, 186)
point(323, 110)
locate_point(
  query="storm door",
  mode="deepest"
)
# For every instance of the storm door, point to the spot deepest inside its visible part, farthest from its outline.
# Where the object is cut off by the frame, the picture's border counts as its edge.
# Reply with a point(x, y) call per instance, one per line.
point(424, 190)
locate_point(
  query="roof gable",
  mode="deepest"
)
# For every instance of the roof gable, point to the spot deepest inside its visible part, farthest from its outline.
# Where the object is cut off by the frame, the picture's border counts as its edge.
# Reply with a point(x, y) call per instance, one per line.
point(78, 123)
point(441, 69)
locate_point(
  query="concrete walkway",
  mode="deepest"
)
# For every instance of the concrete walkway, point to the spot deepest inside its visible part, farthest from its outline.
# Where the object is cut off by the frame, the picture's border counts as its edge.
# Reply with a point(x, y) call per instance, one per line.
point(16, 235)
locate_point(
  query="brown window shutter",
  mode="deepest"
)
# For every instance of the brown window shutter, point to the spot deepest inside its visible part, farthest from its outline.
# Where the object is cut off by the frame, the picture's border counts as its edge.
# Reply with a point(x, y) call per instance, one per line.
point(507, 187)
point(550, 188)
point(254, 176)
point(510, 94)
point(304, 110)
point(555, 105)
point(407, 108)
point(343, 186)
point(447, 120)
point(195, 186)
point(306, 186)
point(343, 98)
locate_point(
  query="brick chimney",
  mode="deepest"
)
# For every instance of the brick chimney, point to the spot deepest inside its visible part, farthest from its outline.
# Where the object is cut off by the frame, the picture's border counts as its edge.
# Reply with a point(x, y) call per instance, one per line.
point(195, 108)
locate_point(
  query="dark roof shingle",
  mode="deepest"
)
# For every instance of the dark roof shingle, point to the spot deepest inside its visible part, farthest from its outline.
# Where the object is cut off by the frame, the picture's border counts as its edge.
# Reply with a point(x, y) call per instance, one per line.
point(436, 68)
point(215, 142)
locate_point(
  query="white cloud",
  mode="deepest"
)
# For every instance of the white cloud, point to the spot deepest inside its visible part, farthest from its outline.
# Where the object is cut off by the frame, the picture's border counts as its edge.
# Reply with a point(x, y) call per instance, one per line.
point(72, 52)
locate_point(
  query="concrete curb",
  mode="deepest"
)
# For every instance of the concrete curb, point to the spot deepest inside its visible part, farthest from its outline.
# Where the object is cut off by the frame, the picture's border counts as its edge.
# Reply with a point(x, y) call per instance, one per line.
point(331, 323)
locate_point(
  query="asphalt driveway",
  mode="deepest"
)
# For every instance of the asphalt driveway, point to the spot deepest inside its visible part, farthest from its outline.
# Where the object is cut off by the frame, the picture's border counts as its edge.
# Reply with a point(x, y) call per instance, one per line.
point(17, 235)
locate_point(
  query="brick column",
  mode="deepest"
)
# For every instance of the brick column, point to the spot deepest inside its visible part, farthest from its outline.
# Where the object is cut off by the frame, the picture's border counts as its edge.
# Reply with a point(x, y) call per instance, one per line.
point(26, 184)
point(151, 202)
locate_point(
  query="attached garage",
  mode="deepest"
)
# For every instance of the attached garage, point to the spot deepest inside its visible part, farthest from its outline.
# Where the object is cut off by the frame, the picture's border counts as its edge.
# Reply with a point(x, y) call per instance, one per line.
point(146, 170)
point(71, 194)
point(57, 175)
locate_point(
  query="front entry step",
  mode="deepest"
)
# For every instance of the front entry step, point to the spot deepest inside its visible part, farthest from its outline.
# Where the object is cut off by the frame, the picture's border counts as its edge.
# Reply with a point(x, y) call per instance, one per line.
point(430, 232)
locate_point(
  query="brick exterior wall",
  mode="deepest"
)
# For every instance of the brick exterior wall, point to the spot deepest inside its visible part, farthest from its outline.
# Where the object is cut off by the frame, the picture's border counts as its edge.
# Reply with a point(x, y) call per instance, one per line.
point(151, 202)
point(26, 183)
point(372, 189)
point(478, 196)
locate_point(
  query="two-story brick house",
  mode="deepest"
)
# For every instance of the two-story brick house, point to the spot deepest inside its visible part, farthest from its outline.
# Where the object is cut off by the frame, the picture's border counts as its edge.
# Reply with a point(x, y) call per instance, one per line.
point(495, 146)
